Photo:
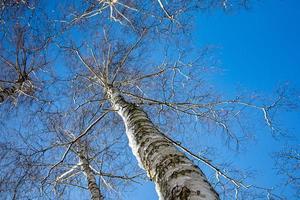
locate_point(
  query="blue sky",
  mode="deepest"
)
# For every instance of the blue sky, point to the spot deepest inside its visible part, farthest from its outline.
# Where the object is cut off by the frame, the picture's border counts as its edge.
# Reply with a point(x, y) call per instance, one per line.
point(258, 50)
point(259, 47)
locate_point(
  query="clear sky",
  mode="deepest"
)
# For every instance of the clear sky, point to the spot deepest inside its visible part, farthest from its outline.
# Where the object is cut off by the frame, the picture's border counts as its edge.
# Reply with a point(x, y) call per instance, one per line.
point(258, 50)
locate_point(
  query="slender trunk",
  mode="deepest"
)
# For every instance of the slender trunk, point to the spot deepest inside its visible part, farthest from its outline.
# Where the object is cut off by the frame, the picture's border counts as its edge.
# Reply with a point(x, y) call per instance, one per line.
point(84, 163)
point(90, 176)
point(174, 175)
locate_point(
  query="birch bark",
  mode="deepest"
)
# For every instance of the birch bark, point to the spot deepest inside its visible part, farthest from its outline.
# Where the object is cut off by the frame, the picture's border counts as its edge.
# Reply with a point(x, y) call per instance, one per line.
point(90, 176)
point(175, 176)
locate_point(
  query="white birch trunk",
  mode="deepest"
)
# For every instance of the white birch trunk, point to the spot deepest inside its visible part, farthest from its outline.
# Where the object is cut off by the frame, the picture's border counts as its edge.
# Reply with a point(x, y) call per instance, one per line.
point(174, 175)
point(85, 168)
point(90, 176)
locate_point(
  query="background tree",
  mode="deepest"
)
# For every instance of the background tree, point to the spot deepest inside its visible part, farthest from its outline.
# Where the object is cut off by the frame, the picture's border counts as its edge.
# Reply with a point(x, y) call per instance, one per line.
point(20, 172)
point(287, 163)
point(85, 145)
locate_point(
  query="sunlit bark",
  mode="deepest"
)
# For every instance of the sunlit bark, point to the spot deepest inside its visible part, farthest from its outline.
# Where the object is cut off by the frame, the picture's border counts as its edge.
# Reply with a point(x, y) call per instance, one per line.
point(174, 175)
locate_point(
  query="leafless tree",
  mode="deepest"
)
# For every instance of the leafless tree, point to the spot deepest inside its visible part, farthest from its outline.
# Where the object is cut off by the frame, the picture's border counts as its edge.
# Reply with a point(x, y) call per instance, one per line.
point(169, 91)
point(10, 9)
point(92, 151)
point(22, 59)
point(288, 164)
point(20, 172)
point(158, 12)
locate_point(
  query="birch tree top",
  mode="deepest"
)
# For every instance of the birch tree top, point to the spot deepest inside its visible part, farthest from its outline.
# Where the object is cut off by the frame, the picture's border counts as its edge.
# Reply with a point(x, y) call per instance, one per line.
point(98, 95)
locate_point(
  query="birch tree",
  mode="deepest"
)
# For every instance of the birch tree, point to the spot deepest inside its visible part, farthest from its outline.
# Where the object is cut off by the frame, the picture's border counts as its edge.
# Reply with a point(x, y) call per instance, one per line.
point(287, 163)
point(83, 164)
point(175, 176)
point(23, 49)
point(20, 172)
point(79, 154)
point(113, 73)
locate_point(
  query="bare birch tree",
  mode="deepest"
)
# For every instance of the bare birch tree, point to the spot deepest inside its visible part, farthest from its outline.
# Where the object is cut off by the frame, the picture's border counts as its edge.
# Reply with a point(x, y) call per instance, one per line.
point(92, 152)
point(119, 82)
point(288, 164)
point(20, 172)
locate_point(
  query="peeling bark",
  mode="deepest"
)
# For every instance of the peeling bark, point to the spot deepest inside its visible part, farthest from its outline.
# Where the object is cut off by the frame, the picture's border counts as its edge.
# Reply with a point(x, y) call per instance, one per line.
point(175, 176)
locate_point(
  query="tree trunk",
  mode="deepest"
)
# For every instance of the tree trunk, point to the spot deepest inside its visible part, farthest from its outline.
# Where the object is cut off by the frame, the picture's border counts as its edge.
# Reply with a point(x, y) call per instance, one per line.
point(90, 176)
point(6, 92)
point(174, 175)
